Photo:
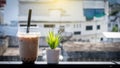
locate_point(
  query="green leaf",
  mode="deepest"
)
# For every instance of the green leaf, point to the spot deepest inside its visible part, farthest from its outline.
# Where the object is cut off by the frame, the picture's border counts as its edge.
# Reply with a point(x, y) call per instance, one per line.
point(53, 40)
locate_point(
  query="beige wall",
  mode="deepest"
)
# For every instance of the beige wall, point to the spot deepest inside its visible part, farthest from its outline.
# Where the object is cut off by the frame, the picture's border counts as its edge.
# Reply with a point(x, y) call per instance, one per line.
point(71, 10)
point(68, 8)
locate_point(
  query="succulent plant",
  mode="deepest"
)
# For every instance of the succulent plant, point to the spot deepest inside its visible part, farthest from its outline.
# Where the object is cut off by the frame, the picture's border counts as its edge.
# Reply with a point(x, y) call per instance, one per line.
point(53, 39)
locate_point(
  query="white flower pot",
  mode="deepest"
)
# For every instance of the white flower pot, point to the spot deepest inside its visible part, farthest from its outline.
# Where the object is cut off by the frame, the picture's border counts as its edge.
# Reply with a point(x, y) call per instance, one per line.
point(53, 55)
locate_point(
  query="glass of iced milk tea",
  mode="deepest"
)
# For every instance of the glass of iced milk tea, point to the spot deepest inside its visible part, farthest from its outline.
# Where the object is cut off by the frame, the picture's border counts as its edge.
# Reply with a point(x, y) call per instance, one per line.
point(28, 46)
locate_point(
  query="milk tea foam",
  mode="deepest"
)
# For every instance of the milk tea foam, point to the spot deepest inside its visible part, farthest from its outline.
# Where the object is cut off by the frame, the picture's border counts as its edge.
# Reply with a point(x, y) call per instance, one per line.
point(28, 46)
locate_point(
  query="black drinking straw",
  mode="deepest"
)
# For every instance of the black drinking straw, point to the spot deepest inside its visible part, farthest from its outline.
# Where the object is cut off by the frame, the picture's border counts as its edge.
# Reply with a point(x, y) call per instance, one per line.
point(29, 19)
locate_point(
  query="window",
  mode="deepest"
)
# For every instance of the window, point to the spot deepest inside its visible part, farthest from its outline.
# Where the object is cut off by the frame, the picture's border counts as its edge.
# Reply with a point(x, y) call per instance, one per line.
point(24, 25)
point(101, 39)
point(109, 24)
point(77, 33)
point(91, 13)
point(74, 25)
point(80, 25)
point(89, 27)
point(77, 25)
point(49, 25)
point(89, 19)
point(98, 27)
point(61, 29)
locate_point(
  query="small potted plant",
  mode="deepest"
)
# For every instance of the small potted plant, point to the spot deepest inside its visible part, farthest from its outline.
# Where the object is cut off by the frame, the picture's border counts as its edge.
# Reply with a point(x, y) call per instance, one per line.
point(53, 52)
